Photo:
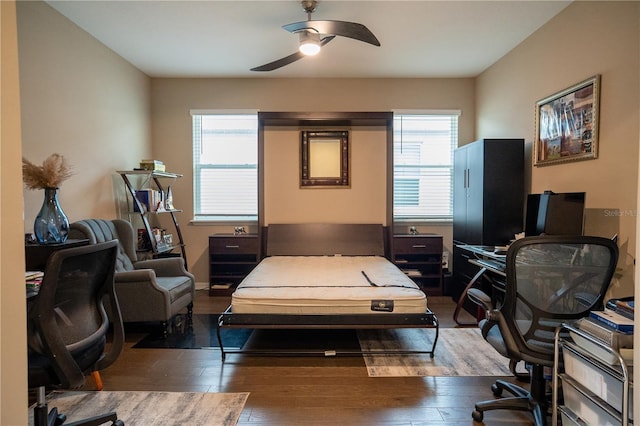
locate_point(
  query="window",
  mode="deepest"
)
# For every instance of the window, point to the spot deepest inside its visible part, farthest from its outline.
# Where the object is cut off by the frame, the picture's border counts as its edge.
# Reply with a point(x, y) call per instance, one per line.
point(225, 166)
point(423, 146)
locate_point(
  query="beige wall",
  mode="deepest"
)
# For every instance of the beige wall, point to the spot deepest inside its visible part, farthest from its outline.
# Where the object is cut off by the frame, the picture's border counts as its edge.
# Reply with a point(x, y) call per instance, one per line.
point(585, 39)
point(172, 99)
point(363, 202)
point(76, 98)
point(13, 341)
point(83, 101)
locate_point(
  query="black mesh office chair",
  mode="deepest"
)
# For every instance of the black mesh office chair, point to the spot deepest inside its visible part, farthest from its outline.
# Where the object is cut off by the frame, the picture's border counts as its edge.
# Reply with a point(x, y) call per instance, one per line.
point(550, 280)
point(67, 326)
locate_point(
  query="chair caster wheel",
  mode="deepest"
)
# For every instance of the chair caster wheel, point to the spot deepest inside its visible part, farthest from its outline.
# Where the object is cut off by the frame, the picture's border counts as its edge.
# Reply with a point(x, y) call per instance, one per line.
point(497, 391)
point(118, 423)
point(477, 416)
point(60, 419)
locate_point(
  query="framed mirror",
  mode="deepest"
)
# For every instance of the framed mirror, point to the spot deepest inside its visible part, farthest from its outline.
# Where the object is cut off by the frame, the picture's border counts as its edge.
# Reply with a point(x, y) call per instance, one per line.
point(324, 158)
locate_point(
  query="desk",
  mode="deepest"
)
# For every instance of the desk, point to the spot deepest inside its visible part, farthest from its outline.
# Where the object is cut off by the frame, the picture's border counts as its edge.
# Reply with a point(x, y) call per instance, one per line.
point(492, 266)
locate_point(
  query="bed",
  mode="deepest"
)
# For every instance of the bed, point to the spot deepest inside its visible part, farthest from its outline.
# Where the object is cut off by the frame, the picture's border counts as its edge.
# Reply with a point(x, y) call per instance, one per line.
point(326, 276)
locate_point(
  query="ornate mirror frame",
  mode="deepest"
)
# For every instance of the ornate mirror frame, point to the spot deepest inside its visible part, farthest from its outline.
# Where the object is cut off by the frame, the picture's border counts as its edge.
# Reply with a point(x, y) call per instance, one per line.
point(324, 158)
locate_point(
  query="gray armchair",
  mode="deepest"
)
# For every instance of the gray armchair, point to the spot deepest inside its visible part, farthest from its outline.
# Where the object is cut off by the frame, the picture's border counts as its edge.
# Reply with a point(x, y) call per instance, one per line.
point(153, 290)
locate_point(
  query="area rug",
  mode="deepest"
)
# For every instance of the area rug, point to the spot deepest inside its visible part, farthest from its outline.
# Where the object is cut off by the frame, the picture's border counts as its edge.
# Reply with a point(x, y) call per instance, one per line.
point(459, 352)
point(152, 408)
point(201, 335)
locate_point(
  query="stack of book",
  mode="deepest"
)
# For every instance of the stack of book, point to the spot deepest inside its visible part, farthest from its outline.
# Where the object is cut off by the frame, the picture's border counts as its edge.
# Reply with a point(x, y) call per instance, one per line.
point(623, 306)
point(152, 165)
point(611, 327)
point(613, 320)
point(33, 279)
point(152, 200)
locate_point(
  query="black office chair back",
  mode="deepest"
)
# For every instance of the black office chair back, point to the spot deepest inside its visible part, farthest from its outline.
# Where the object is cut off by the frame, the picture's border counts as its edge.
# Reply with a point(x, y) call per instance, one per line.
point(553, 280)
point(68, 323)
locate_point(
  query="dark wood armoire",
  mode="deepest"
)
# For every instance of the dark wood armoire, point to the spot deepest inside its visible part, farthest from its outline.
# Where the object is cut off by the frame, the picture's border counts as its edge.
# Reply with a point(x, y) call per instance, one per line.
point(488, 201)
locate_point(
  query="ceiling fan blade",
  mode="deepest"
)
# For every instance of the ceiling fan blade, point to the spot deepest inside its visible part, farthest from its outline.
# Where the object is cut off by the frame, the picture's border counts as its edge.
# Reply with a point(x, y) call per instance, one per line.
point(341, 28)
point(280, 62)
point(288, 59)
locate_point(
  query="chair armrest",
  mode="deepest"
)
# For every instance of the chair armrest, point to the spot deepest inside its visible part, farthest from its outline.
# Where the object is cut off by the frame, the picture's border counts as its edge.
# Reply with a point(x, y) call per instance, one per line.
point(164, 267)
point(480, 298)
point(49, 342)
point(139, 275)
point(117, 341)
point(140, 280)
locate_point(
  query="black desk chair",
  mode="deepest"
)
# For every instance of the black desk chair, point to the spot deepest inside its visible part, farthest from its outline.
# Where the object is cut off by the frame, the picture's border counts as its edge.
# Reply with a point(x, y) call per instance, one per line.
point(550, 280)
point(67, 326)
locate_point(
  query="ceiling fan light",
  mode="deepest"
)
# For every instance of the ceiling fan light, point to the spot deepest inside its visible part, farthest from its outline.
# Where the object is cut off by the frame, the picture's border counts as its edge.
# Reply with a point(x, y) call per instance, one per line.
point(309, 43)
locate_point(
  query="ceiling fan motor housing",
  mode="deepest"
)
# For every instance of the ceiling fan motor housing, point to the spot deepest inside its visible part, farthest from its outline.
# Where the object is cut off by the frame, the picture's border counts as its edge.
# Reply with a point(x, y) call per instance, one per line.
point(309, 6)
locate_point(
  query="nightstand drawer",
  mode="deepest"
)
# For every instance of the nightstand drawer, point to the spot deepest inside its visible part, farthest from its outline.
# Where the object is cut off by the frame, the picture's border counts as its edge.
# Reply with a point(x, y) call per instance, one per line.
point(233, 244)
point(410, 244)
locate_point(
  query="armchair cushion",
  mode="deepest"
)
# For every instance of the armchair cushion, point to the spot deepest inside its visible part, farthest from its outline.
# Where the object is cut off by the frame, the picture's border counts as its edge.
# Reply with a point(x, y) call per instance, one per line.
point(176, 286)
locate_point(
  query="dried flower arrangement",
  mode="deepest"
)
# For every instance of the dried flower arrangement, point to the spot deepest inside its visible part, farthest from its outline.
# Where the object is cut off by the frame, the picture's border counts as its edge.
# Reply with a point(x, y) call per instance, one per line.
point(51, 174)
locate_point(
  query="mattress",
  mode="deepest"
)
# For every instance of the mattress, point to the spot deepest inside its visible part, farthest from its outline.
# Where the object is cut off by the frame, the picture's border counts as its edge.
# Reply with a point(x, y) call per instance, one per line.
point(318, 285)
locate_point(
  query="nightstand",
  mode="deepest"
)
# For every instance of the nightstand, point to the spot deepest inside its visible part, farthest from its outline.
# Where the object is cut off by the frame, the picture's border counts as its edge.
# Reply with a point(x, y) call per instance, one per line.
point(231, 258)
point(420, 257)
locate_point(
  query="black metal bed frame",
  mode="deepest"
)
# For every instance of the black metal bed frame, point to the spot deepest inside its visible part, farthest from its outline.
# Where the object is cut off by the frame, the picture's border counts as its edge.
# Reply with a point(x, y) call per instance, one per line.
point(329, 321)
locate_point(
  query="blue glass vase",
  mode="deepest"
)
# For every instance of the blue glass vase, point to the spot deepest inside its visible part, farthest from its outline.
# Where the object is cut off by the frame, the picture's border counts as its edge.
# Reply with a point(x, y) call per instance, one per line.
point(51, 225)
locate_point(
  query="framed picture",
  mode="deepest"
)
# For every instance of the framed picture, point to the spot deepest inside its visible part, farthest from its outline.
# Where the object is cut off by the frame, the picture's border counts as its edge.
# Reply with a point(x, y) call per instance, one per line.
point(567, 124)
point(324, 158)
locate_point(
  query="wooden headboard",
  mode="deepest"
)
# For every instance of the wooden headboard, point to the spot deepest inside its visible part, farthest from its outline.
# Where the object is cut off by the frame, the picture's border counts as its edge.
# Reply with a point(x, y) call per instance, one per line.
point(325, 239)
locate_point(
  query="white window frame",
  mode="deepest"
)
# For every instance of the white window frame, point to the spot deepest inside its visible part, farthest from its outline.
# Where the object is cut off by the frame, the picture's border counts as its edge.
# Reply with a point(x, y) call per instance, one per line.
point(247, 213)
point(432, 205)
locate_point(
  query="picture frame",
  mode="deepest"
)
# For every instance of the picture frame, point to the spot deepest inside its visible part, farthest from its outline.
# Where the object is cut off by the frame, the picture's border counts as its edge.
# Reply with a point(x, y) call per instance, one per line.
point(324, 159)
point(567, 124)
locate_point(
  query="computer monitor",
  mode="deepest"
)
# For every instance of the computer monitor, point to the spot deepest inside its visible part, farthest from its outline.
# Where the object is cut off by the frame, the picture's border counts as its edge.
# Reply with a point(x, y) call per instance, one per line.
point(555, 214)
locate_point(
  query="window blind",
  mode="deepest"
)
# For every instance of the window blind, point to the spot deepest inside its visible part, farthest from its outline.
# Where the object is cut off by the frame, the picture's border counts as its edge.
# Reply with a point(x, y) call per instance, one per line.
point(423, 146)
point(225, 162)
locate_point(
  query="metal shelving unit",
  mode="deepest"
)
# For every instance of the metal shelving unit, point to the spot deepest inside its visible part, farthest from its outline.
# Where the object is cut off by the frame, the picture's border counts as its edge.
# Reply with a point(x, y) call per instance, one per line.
point(155, 179)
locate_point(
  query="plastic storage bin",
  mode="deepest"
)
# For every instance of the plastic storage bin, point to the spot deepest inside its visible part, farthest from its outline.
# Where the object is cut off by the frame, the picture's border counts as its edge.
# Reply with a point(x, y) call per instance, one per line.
point(603, 383)
point(584, 408)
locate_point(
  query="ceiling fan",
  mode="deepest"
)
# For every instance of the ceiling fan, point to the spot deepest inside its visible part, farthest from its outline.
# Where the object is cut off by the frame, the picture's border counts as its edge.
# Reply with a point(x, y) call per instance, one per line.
point(315, 34)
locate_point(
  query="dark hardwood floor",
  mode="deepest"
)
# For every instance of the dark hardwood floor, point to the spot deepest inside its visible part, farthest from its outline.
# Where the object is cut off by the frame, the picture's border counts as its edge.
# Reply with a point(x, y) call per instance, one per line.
point(307, 390)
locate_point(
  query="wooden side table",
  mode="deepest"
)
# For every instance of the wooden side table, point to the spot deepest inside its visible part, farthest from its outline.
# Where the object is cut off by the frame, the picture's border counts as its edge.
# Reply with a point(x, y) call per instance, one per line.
point(420, 257)
point(231, 258)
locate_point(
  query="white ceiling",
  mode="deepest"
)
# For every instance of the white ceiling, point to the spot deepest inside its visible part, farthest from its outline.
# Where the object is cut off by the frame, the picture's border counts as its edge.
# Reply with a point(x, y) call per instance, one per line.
point(214, 38)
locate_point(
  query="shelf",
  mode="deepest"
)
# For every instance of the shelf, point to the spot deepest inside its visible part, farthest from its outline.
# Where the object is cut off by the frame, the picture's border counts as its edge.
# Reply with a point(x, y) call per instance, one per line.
point(158, 249)
point(164, 211)
point(150, 173)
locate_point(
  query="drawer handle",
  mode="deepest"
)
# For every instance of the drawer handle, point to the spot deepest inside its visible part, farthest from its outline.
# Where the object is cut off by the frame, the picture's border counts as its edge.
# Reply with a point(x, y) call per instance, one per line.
point(419, 246)
point(230, 247)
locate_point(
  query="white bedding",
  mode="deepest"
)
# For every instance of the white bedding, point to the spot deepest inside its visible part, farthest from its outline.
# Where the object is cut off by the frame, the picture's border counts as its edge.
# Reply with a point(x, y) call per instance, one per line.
point(327, 285)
